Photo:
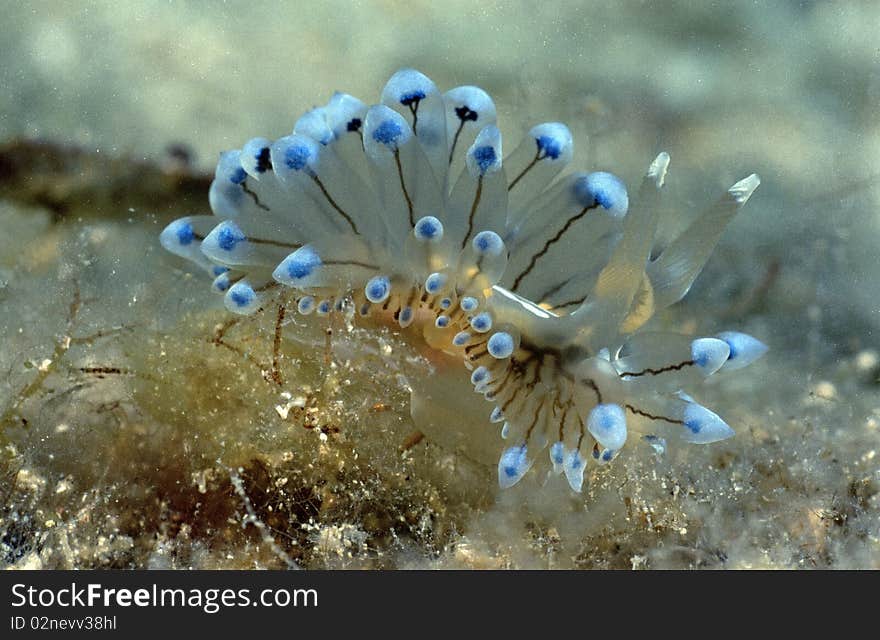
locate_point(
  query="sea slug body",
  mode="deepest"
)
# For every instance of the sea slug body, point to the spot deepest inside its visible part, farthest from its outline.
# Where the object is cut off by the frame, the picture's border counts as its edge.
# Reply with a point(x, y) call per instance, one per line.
point(539, 281)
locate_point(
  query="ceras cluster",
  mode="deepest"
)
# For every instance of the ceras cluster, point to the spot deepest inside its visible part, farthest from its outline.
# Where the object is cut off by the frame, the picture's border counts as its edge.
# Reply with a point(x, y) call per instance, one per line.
point(409, 208)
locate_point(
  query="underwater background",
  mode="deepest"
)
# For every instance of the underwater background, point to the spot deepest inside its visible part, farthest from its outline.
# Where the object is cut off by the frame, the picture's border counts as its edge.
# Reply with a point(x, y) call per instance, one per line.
point(132, 436)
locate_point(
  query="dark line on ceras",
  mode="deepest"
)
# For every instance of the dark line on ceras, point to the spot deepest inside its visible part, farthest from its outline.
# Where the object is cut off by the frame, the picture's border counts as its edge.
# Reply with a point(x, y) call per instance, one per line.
point(254, 196)
point(579, 421)
point(475, 345)
point(454, 308)
point(455, 139)
point(409, 203)
point(565, 409)
point(334, 205)
point(523, 366)
point(414, 110)
point(482, 343)
point(536, 378)
point(552, 290)
point(654, 372)
point(526, 170)
point(550, 242)
point(429, 300)
point(511, 399)
point(413, 292)
point(581, 433)
point(562, 305)
point(652, 416)
point(274, 243)
point(592, 384)
point(502, 383)
point(474, 206)
point(535, 420)
point(518, 372)
point(569, 303)
point(352, 263)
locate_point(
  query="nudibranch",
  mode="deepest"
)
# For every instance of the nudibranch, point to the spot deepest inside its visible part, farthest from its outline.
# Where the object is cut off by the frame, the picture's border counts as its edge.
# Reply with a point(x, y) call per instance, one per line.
point(538, 281)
